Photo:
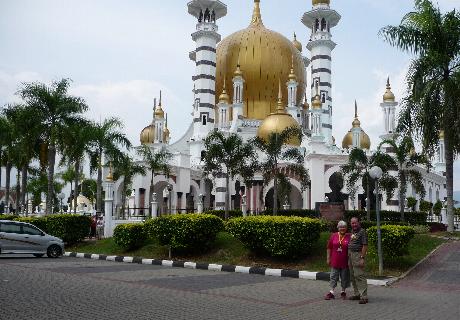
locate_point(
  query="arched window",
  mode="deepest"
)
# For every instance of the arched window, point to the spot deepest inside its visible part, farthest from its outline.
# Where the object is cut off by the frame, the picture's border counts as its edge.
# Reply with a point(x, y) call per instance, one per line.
point(323, 24)
point(204, 121)
point(316, 25)
point(323, 98)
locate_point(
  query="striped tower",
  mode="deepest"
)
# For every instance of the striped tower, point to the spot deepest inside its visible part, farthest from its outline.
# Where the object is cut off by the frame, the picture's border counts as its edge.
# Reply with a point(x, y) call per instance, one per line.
point(207, 12)
point(320, 20)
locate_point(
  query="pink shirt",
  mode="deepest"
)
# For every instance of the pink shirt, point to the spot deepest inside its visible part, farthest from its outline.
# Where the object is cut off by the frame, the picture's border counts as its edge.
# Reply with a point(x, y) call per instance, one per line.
point(338, 257)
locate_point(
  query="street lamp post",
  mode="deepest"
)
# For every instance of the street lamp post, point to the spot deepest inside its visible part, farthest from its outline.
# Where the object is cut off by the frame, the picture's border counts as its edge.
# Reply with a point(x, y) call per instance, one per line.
point(170, 187)
point(376, 174)
point(61, 197)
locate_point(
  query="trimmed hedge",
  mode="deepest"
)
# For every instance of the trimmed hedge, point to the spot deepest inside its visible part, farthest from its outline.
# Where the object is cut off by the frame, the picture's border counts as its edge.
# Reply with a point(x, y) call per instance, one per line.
point(331, 226)
point(303, 213)
point(395, 239)
point(221, 213)
point(70, 228)
point(7, 217)
point(189, 232)
point(287, 237)
point(129, 236)
point(412, 218)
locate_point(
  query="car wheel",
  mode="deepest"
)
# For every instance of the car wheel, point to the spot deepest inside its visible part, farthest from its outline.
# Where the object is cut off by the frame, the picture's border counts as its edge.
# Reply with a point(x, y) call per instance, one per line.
point(38, 255)
point(54, 251)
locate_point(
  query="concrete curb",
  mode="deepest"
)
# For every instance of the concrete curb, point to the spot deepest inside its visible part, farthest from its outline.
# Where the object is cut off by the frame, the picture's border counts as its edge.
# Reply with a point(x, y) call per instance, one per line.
point(286, 273)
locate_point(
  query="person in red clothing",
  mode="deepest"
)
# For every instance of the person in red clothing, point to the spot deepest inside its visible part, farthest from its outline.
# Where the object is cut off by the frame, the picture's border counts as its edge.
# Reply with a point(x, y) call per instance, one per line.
point(337, 259)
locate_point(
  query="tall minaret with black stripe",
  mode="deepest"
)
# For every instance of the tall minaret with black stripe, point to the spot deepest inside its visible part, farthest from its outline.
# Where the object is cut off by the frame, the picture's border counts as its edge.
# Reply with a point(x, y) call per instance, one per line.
point(321, 19)
point(206, 37)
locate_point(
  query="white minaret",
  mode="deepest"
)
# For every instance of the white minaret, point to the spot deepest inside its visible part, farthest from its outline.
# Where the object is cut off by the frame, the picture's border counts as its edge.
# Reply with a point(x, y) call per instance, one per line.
point(356, 130)
point(389, 113)
point(159, 123)
point(238, 93)
point(207, 12)
point(320, 20)
point(440, 157)
point(292, 85)
point(224, 109)
point(317, 118)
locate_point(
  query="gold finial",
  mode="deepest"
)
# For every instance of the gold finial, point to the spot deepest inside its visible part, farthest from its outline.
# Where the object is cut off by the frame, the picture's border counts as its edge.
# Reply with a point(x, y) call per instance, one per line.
point(160, 100)
point(110, 175)
point(224, 98)
point(159, 113)
point(356, 123)
point(292, 75)
point(317, 104)
point(238, 72)
point(280, 108)
point(296, 43)
point(389, 95)
point(256, 16)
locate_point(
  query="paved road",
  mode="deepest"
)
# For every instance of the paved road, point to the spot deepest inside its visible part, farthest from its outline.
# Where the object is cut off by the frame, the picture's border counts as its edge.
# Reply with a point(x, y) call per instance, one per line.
point(73, 288)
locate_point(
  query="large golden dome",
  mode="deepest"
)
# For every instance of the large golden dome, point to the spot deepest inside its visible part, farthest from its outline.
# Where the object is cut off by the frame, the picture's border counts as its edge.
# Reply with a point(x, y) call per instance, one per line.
point(264, 57)
point(315, 2)
point(277, 122)
point(347, 141)
point(147, 135)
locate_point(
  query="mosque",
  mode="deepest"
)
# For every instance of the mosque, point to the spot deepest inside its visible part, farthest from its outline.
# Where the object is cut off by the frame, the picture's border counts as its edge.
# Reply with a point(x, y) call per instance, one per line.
point(254, 82)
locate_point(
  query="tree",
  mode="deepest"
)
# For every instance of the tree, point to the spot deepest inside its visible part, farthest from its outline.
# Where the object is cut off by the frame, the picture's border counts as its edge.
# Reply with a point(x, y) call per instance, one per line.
point(405, 162)
point(6, 141)
point(54, 110)
point(108, 141)
point(432, 102)
point(357, 169)
point(276, 151)
point(26, 133)
point(38, 184)
point(127, 169)
point(228, 155)
point(76, 143)
point(156, 162)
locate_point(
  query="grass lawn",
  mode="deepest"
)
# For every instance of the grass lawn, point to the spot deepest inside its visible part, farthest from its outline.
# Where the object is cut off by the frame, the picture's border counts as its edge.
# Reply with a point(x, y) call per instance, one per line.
point(228, 250)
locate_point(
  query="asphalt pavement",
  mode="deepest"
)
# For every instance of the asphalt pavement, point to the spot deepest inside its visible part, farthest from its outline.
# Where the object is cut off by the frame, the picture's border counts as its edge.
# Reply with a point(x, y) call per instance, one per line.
point(75, 288)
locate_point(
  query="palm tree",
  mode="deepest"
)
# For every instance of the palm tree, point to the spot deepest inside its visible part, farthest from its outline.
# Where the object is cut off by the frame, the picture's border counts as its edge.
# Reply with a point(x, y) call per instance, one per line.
point(127, 168)
point(68, 176)
point(25, 131)
point(405, 160)
point(76, 143)
point(6, 140)
point(276, 151)
point(228, 155)
point(432, 103)
point(108, 141)
point(357, 169)
point(155, 161)
point(54, 110)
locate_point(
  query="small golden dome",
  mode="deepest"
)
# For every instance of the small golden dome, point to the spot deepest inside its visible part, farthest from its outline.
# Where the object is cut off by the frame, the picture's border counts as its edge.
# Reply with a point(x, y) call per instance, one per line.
point(264, 56)
point(317, 104)
point(388, 96)
point(148, 135)
point(306, 106)
point(159, 113)
point(441, 135)
point(238, 72)
point(347, 141)
point(315, 2)
point(292, 75)
point(277, 122)
point(166, 130)
point(224, 98)
point(109, 175)
point(296, 43)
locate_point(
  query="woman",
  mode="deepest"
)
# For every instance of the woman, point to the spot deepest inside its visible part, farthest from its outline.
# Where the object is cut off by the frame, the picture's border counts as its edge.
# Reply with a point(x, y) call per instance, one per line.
point(337, 259)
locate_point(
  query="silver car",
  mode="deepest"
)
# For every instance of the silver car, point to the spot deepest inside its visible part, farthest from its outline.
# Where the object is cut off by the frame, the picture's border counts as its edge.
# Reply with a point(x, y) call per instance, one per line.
point(24, 238)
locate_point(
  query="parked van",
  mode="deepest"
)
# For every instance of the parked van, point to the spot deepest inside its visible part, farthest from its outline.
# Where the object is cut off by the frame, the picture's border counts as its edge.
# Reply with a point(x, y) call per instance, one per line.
point(24, 238)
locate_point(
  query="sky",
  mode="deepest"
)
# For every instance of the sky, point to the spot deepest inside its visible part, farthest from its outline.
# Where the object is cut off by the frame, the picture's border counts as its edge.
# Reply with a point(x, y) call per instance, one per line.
point(120, 54)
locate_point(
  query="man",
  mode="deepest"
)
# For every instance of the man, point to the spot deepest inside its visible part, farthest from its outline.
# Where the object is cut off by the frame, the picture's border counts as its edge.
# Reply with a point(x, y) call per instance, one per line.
point(357, 250)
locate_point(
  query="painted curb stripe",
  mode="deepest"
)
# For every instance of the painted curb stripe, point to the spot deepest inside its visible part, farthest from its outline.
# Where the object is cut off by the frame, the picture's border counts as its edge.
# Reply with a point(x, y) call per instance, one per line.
point(285, 273)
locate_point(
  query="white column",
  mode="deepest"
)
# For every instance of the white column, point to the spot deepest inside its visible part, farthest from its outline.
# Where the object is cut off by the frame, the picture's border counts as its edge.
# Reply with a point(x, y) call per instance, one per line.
point(108, 208)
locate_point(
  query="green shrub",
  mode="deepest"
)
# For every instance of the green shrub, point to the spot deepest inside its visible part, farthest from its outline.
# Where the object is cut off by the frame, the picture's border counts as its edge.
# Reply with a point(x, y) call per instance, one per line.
point(421, 229)
point(412, 218)
point(395, 239)
point(411, 203)
point(304, 213)
point(437, 208)
point(288, 237)
point(129, 236)
point(7, 217)
point(221, 213)
point(425, 206)
point(187, 232)
point(71, 228)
